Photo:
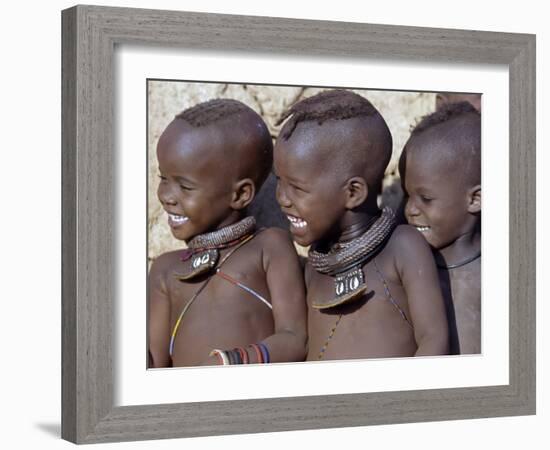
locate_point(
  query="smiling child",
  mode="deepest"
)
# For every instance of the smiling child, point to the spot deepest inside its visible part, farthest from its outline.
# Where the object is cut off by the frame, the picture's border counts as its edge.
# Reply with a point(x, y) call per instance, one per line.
point(236, 294)
point(441, 173)
point(372, 287)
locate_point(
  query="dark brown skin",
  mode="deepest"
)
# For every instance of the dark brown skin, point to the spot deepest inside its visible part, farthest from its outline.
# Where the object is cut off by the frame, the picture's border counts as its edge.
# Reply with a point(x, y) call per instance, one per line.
point(462, 293)
point(332, 197)
point(206, 180)
point(445, 205)
point(372, 327)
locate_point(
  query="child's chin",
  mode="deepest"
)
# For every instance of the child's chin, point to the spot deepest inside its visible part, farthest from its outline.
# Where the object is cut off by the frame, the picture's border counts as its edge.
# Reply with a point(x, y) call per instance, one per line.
point(181, 235)
point(304, 241)
point(428, 240)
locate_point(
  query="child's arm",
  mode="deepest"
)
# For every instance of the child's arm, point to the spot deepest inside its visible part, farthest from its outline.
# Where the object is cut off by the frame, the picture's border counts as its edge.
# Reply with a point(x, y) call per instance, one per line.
point(416, 266)
point(159, 316)
point(288, 298)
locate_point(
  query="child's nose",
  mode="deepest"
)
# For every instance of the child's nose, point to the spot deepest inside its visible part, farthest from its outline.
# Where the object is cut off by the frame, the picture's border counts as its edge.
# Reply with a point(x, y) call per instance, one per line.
point(281, 196)
point(411, 209)
point(166, 195)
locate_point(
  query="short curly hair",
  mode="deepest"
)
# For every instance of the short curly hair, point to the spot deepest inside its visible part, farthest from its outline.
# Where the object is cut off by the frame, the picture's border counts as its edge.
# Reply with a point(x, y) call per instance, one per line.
point(457, 124)
point(368, 157)
point(212, 111)
point(447, 112)
point(246, 120)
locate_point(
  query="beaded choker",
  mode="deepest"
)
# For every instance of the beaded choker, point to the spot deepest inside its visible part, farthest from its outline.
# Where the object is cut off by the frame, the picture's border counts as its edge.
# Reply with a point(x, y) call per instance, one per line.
point(224, 235)
point(344, 261)
point(204, 250)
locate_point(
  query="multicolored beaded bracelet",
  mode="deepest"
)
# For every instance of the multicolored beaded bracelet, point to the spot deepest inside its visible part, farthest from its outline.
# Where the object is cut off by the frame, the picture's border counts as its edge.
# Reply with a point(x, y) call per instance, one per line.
point(221, 355)
point(265, 352)
point(237, 356)
point(243, 354)
point(258, 353)
point(230, 357)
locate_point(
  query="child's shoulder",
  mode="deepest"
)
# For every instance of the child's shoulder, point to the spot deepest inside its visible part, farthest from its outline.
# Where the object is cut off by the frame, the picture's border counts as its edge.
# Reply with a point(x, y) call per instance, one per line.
point(164, 263)
point(274, 237)
point(276, 245)
point(407, 241)
point(407, 253)
point(405, 232)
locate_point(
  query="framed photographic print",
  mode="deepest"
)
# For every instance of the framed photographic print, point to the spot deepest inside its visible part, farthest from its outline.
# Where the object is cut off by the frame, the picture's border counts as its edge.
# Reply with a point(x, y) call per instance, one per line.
point(124, 69)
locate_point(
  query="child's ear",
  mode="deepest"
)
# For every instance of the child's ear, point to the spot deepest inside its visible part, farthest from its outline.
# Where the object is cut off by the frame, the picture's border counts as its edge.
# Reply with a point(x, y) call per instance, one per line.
point(356, 192)
point(243, 193)
point(474, 199)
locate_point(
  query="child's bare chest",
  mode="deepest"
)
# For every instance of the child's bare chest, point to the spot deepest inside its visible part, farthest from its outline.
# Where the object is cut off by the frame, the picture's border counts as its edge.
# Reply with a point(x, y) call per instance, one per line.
point(227, 291)
point(461, 289)
point(227, 309)
point(374, 325)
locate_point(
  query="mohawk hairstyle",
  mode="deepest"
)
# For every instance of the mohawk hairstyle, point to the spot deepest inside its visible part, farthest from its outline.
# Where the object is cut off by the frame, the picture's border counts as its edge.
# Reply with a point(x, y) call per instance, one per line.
point(446, 113)
point(211, 111)
point(336, 104)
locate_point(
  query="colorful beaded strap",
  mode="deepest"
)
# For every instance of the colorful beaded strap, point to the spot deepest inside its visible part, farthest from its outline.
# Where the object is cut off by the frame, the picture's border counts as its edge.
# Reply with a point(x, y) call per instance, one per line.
point(196, 294)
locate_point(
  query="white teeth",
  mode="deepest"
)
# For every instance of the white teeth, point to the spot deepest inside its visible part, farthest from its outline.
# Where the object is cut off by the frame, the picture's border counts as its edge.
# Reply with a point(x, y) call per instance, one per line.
point(298, 223)
point(422, 229)
point(178, 220)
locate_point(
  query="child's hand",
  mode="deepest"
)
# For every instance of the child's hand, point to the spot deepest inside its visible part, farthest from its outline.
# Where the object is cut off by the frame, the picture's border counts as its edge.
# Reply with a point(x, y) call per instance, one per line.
point(211, 361)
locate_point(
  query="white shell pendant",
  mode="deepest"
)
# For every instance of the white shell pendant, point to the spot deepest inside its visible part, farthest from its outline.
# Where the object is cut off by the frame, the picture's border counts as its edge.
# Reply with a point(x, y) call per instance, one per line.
point(199, 264)
point(348, 286)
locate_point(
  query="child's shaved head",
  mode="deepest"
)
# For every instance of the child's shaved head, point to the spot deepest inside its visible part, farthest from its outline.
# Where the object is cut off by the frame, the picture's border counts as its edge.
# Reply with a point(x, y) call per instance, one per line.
point(452, 136)
point(330, 159)
point(213, 158)
point(354, 133)
point(440, 171)
point(235, 130)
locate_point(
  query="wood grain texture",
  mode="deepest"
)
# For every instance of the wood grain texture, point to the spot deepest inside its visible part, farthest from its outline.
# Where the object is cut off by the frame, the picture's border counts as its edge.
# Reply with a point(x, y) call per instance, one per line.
point(523, 225)
point(89, 202)
point(68, 227)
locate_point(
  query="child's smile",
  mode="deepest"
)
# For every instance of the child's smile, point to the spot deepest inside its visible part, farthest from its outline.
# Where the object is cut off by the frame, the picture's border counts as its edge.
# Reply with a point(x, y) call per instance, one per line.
point(192, 192)
point(437, 203)
point(440, 170)
point(306, 192)
point(421, 228)
point(296, 222)
point(175, 220)
point(246, 287)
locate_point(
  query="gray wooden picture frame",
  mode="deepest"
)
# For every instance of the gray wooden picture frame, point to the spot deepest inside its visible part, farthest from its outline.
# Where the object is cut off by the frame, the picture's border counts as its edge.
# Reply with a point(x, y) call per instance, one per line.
point(90, 34)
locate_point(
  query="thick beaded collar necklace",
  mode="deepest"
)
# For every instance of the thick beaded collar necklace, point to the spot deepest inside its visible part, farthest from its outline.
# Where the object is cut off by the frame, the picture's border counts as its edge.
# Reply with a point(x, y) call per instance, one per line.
point(344, 260)
point(203, 251)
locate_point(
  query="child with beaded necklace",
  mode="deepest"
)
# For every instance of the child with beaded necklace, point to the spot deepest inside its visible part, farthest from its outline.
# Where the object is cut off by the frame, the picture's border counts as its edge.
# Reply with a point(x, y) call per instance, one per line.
point(372, 287)
point(236, 294)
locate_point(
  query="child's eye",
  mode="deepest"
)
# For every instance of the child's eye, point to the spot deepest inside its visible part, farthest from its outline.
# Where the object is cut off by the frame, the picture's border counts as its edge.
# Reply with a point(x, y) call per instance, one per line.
point(184, 188)
point(425, 199)
point(297, 188)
